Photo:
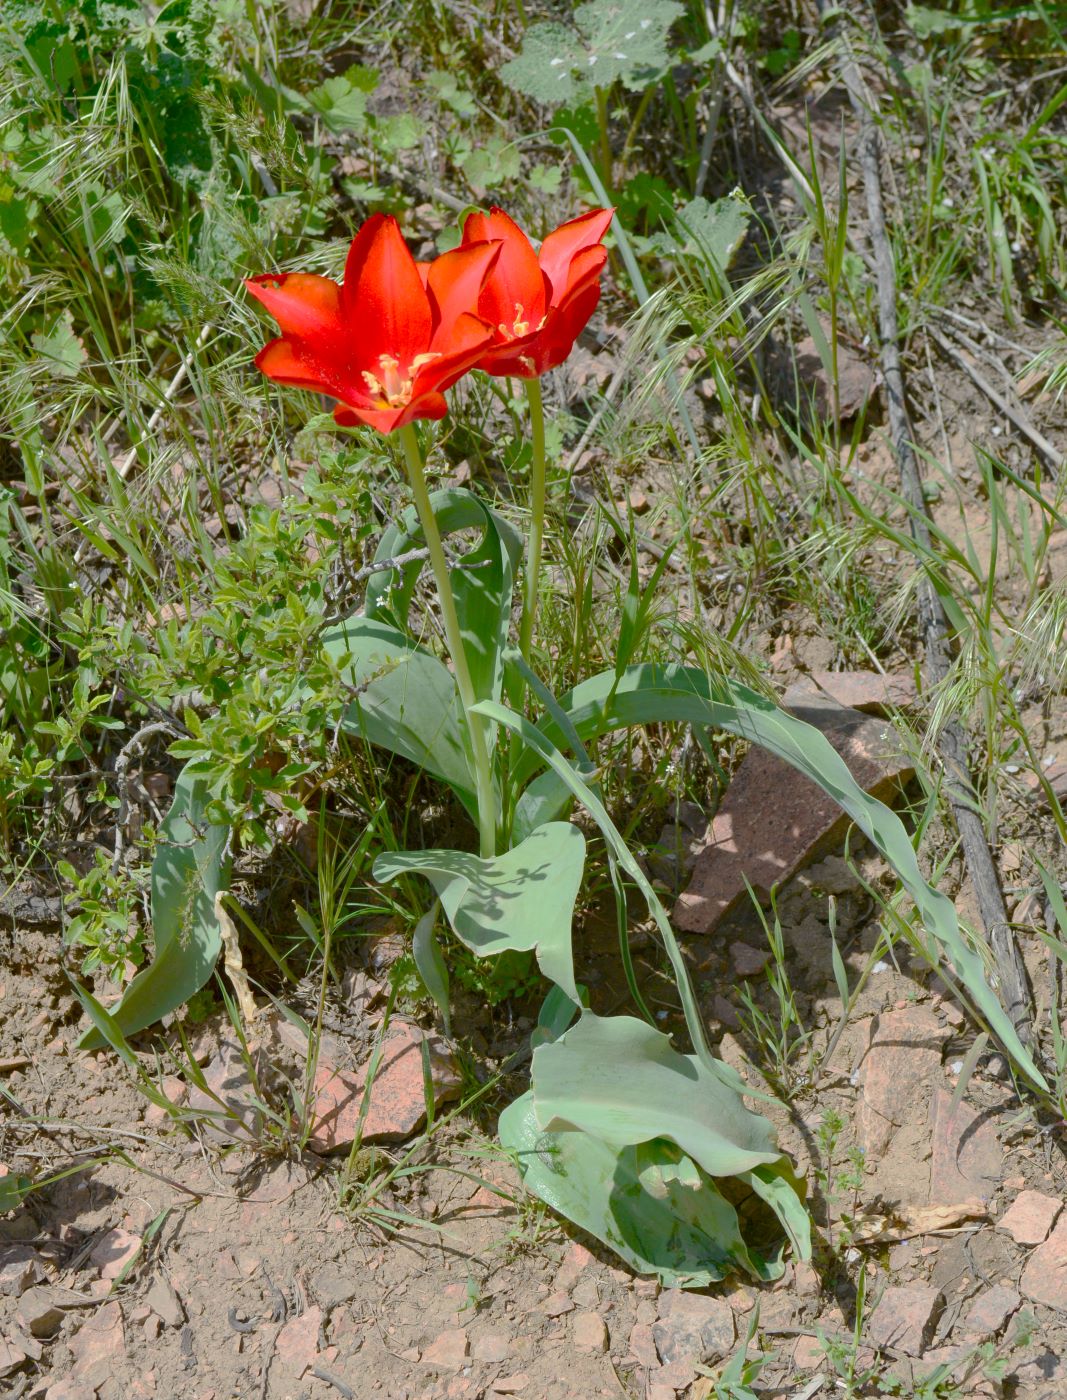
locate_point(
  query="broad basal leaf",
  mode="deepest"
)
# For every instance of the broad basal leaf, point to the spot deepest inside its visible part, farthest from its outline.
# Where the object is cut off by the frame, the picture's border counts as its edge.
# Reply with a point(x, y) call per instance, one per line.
point(482, 581)
point(521, 900)
point(621, 1081)
point(650, 694)
point(189, 869)
point(650, 1204)
point(403, 700)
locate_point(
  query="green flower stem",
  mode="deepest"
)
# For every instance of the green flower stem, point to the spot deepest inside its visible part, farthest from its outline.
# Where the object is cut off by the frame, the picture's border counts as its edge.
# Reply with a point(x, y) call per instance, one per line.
point(476, 724)
point(537, 516)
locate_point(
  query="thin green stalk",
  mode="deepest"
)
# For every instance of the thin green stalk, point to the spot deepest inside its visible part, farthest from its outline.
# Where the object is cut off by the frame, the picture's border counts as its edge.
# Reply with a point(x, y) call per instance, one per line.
point(535, 541)
point(476, 724)
point(606, 171)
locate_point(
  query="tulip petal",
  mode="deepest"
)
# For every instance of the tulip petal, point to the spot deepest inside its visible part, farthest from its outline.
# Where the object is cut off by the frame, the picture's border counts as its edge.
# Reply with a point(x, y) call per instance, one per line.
point(563, 326)
point(468, 338)
point(586, 267)
point(282, 361)
point(301, 303)
point(455, 281)
point(563, 245)
point(387, 420)
point(516, 280)
point(383, 299)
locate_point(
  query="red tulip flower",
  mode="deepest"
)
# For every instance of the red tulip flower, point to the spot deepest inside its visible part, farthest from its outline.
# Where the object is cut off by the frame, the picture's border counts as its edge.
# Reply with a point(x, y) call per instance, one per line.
point(391, 339)
point(538, 302)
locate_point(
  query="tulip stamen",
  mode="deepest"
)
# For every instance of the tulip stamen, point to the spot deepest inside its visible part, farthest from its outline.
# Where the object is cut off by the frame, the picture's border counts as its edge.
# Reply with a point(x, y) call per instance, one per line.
point(389, 386)
point(518, 327)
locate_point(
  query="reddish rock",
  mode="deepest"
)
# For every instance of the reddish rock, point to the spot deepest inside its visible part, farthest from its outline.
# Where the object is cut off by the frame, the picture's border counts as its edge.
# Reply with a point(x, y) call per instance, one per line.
point(991, 1310)
point(112, 1253)
point(175, 1091)
point(1045, 1277)
point(808, 1354)
point(773, 819)
point(297, 1344)
point(165, 1303)
point(492, 1347)
point(97, 1344)
point(904, 1318)
point(590, 1332)
point(679, 1376)
point(20, 1268)
point(748, 961)
point(1030, 1217)
point(556, 1305)
point(448, 1351)
point(903, 1054)
point(11, 1358)
point(866, 690)
point(693, 1327)
point(510, 1385)
point(643, 1346)
point(37, 1313)
point(397, 1105)
point(577, 1259)
point(70, 1389)
point(966, 1157)
point(855, 380)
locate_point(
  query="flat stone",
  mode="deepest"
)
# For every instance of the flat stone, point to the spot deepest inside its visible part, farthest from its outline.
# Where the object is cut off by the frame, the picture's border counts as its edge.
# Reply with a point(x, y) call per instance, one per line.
point(692, 1327)
point(965, 1155)
point(297, 1344)
point(70, 1389)
point(556, 1304)
point(1044, 1279)
point(903, 1055)
point(96, 1346)
point(37, 1313)
point(165, 1303)
point(855, 378)
point(11, 1357)
point(397, 1105)
point(575, 1262)
point(991, 1310)
point(747, 961)
point(492, 1347)
point(510, 1385)
point(643, 1346)
point(1030, 1217)
point(866, 690)
point(448, 1351)
point(808, 1354)
point(230, 1111)
point(904, 1318)
point(114, 1252)
point(590, 1332)
point(20, 1268)
point(586, 1295)
point(773, 820)
point(679, 1375)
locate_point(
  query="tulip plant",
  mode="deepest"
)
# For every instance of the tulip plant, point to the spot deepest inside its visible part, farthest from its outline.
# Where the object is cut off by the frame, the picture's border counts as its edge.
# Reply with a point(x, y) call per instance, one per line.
point(621, 1131)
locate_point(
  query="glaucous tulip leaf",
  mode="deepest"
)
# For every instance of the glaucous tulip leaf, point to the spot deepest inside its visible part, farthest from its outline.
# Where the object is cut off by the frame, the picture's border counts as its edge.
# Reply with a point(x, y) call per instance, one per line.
point(520, 901)
point(651, 1204)
point(190, 867)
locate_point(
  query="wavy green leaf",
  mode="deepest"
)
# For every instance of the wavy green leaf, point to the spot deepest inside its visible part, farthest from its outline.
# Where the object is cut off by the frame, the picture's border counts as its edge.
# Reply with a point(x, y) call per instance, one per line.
point(651, 1204)
point(622, 1081)
point(482, 581)
point(404, 700)
point(650, 694)
point(522, 900)
point(191, 866)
